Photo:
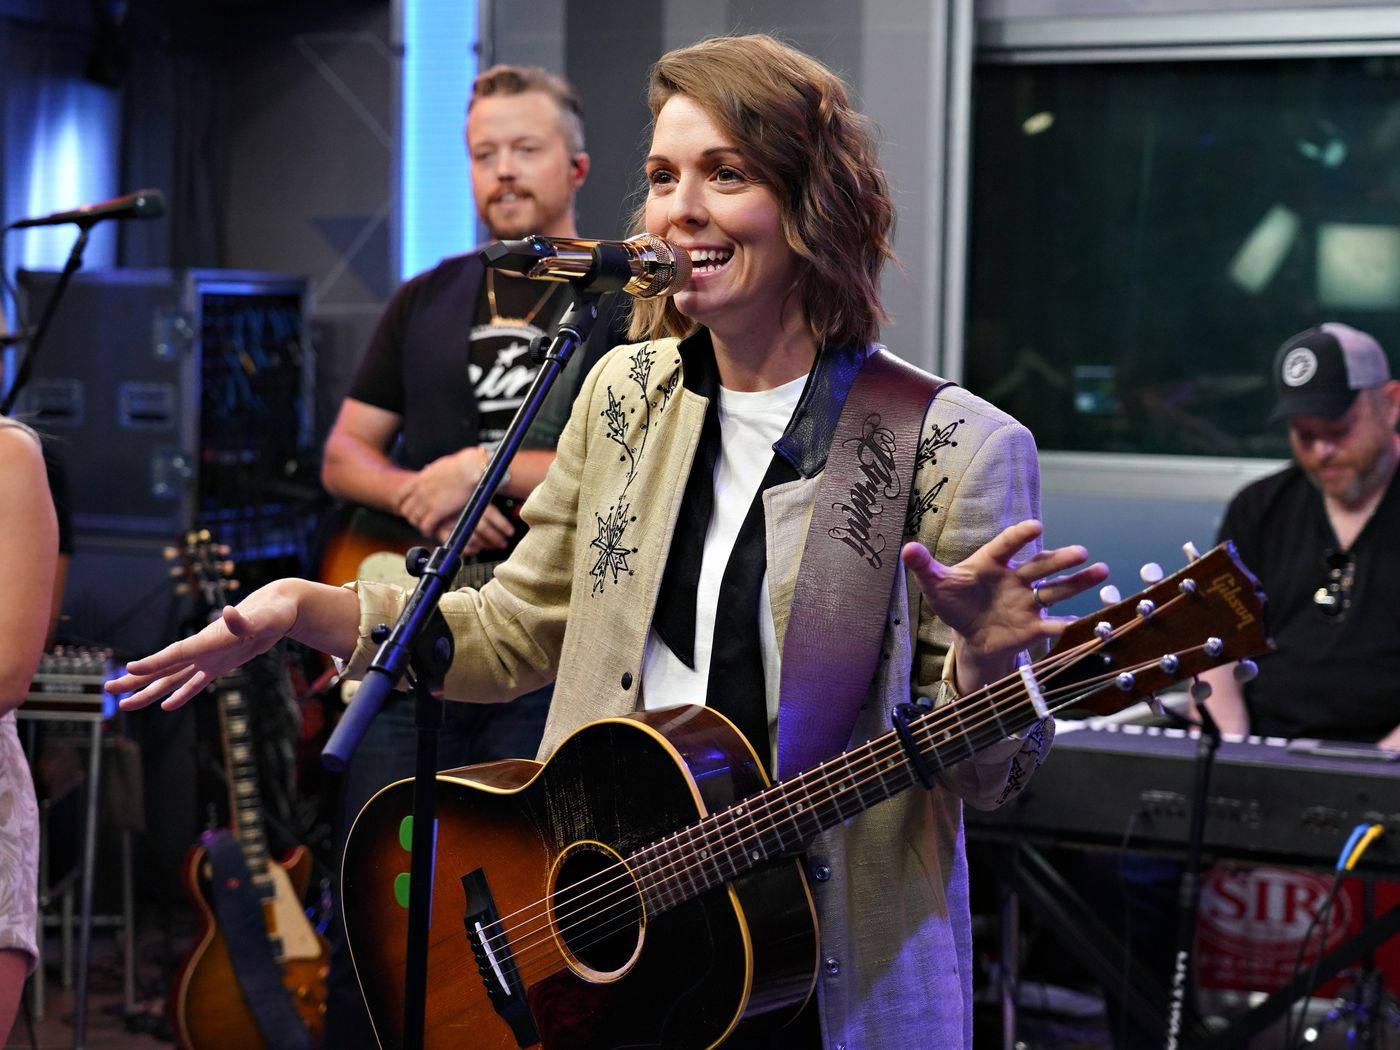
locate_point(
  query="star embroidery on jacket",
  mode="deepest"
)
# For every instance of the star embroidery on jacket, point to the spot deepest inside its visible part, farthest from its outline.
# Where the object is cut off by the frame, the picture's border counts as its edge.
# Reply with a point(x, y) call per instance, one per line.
point(612, 553)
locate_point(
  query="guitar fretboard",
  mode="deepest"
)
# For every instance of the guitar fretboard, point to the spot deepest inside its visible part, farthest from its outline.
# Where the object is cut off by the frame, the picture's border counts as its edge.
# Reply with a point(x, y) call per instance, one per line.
point(783, 819)
point(245, 801)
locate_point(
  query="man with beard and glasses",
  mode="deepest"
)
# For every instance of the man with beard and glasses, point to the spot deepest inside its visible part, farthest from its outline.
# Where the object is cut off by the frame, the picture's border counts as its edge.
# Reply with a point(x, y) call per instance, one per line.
point(443, 376)
point(1321, 537)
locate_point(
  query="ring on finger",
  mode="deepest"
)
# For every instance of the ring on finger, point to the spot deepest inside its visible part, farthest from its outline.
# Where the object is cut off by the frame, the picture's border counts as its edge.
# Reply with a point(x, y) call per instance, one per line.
point(1035, 594)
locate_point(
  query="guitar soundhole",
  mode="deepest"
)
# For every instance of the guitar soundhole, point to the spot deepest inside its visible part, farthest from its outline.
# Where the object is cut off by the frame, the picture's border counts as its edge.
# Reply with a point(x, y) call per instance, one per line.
point(596, 910)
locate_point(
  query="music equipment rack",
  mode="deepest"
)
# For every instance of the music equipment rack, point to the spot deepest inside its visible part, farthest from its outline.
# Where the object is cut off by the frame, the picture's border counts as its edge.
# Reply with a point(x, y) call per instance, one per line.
point(68, 683)
point(67, 687)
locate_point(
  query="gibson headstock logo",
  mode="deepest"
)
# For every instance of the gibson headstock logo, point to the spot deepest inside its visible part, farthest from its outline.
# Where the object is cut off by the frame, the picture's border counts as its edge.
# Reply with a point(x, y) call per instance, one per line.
point(1227, 588)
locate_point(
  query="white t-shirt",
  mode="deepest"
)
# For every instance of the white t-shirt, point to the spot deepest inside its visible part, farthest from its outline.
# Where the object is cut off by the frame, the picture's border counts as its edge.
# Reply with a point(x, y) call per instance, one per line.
point(749, 424)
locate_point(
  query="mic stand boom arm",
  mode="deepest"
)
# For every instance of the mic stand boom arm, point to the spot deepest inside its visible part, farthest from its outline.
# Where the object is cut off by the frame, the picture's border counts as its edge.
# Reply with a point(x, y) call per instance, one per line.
point(422, 639)
point(36, 336)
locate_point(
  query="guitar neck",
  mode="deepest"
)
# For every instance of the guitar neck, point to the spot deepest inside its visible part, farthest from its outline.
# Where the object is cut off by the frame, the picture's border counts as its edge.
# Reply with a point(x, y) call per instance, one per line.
point(475, 574)
point(783, 819)
point(245, 801)
point(1206, 614)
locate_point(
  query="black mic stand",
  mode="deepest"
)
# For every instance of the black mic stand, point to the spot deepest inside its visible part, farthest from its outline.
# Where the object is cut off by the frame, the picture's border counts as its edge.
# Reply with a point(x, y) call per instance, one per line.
point(421, 639)
point(1189, 901)
point(36, 337)
point(1366, 1007)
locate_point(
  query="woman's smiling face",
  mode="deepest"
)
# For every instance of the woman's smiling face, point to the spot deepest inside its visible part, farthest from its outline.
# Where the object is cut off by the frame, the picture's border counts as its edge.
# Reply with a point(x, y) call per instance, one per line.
point(706, 198)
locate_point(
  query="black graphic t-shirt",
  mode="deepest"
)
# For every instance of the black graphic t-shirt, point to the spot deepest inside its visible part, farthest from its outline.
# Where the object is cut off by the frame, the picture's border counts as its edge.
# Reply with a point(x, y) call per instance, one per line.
point(419, 361)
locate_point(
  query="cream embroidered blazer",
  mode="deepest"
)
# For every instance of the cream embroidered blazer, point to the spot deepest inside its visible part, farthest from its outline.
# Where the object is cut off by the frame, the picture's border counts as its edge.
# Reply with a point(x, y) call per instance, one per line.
point(575, 602)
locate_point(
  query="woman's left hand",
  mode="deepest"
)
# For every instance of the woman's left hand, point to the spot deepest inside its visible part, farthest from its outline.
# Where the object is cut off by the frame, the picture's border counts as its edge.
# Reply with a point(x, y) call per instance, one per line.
point(997, 606)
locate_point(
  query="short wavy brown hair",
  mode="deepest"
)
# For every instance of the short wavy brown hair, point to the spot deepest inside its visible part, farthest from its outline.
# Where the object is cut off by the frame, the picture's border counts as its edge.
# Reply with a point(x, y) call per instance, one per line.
point(792, 119)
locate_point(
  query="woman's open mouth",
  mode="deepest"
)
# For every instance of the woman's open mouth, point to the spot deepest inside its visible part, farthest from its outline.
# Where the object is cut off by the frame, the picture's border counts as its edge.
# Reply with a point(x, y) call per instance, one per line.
point(707, 261)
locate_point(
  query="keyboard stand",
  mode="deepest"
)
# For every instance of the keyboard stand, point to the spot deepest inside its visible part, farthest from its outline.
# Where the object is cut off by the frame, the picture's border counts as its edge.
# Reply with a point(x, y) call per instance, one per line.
point(1053, 900)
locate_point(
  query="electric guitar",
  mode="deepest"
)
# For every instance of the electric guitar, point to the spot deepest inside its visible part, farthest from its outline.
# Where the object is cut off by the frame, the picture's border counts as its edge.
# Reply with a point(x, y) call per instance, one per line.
point(644, 888)
point(362, 543)
point(209, 1009)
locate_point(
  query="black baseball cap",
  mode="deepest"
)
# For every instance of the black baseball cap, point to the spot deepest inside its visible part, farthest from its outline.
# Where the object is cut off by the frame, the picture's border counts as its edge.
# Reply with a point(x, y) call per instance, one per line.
point(1318, 372)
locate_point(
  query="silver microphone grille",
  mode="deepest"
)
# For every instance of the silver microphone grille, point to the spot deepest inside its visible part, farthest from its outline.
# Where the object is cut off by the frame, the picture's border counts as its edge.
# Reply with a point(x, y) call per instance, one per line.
point(669, 270)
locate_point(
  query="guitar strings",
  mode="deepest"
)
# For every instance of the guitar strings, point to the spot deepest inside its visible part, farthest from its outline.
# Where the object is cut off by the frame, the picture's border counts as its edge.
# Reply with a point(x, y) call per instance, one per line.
point(978, 704)
point(626, 902)
point(622, 913)
point(663, 866)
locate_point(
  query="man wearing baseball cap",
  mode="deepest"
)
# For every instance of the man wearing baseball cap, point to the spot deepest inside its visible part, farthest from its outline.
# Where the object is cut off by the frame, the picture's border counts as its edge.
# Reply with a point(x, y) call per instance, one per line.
point(1323, 536)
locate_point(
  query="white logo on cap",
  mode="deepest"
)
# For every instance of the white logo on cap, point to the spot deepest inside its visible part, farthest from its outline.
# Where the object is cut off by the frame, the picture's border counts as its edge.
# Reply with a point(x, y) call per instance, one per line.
point(1299, 366)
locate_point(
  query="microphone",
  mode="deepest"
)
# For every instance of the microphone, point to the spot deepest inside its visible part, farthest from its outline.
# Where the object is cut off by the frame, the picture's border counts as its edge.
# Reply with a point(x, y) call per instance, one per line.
point(644, 266)
point(143, 204)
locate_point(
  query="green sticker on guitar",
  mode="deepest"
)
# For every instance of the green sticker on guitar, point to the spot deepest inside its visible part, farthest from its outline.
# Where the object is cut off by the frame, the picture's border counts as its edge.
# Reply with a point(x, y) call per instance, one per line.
point(401, 889)
point(406, 833)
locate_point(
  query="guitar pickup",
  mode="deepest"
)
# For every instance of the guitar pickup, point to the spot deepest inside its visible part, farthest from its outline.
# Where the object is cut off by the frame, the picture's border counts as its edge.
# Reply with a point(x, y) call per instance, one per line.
point(495, 961)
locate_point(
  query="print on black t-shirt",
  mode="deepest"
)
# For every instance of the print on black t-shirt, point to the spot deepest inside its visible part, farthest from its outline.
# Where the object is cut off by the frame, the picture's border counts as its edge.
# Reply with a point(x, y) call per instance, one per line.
point(500, 369)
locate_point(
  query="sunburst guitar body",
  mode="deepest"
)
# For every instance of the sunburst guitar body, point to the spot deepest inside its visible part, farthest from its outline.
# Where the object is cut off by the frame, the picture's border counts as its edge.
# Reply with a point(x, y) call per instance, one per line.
point(208, 1008)
point(598, 959)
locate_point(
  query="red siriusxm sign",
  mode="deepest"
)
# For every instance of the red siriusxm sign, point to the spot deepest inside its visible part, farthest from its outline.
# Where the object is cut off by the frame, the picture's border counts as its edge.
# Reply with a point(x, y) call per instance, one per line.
point(1253, 919)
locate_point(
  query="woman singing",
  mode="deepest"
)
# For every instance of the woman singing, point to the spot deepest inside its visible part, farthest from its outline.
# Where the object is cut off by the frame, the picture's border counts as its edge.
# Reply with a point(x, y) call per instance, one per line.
point(663, 545)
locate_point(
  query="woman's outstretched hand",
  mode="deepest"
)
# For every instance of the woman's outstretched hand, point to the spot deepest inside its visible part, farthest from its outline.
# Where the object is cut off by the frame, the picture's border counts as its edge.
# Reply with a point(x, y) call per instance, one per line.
point(325, 617)
point(997, 606)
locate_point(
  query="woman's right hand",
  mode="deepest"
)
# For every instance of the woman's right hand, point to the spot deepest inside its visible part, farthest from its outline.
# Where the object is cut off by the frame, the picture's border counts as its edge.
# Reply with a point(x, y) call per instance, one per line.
point(312, 612)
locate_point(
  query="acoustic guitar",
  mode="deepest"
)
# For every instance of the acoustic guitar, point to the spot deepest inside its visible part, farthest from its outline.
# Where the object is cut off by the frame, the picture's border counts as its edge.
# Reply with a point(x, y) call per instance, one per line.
point(208, 1007)
point(643, 887)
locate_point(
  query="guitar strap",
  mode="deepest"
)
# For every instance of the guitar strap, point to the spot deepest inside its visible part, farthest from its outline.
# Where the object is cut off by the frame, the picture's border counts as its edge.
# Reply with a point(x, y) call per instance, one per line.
point(842, 594)
point(238, 905)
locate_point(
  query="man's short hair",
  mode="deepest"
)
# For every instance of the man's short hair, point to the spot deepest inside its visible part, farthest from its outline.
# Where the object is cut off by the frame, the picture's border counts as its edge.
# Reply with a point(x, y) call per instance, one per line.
point(516, 80)
point(1319, 372)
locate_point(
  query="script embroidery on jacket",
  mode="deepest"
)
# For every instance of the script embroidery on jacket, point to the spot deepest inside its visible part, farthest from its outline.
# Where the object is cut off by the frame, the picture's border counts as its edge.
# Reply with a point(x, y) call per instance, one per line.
point(923, 501)
point(611, 541)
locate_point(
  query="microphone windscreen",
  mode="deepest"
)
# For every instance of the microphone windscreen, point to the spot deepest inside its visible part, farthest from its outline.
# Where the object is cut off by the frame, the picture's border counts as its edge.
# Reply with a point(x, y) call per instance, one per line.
point(149, 204)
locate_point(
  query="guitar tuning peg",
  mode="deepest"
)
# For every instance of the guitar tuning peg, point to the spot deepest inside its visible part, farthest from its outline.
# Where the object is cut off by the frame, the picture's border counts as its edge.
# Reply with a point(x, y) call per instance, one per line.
point(232, 585)
point(1108, 594)
point(175, 572)
point(1190, 550)
point(1245, 670)
point(182, 589)
point(169, 553)
point(1200, 691)
point(1151, 573)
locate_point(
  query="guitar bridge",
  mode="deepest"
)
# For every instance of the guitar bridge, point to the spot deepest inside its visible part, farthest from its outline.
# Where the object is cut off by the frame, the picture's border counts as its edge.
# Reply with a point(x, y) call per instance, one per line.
point(495, 961)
